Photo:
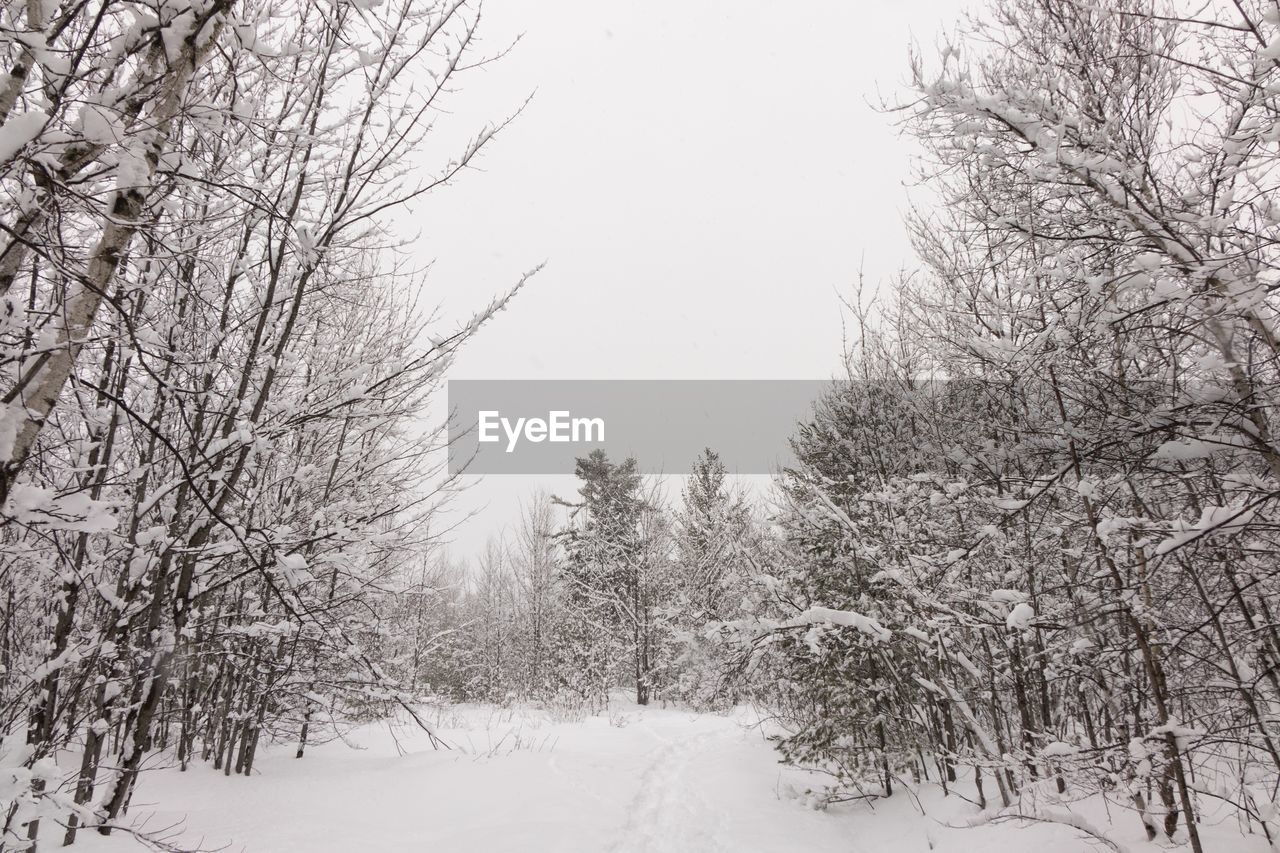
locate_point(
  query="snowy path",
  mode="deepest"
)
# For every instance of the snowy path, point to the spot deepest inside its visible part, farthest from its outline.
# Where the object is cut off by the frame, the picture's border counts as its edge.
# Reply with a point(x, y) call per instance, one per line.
point(637, 781)
point(640, 781)
point(669, 812)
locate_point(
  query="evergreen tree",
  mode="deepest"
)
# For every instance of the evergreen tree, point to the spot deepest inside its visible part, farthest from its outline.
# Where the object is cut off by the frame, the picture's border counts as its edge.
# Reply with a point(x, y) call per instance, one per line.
point(714, 541)
point(616, 569)
point(713, 527)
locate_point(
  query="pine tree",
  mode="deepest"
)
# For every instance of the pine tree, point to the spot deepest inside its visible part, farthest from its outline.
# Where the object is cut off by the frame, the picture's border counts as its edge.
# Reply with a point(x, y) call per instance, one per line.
point(714, 538)
point(616, 572)
point(714, 526)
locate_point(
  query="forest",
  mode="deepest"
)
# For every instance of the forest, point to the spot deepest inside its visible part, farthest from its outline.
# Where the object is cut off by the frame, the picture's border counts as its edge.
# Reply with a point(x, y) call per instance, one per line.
point(1026, 551)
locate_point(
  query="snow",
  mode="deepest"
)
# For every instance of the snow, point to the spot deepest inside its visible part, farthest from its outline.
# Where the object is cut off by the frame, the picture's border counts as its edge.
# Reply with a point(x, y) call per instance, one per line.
point(1185, 450)
point(132, 171)
point(631, 780)
point(76, 512)
point(1148, 261)
point(1020, 617)
point(635, 779)
point(1213, 519)
point(100, 125)
point(843, 618)
point(18, 131)
point(175, 34)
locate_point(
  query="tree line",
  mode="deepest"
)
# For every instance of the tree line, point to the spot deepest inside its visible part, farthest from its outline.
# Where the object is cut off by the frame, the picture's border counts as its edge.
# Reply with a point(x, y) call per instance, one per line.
point(213, 363)
point(614, 589)
point(1033, 540)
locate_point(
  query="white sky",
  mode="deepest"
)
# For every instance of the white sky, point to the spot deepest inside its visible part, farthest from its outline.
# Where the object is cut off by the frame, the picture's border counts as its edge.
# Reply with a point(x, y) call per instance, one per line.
point(704, 179)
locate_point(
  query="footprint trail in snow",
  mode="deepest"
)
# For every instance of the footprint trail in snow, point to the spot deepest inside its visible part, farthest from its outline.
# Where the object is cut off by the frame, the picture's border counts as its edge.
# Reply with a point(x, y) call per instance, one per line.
point(668, 813)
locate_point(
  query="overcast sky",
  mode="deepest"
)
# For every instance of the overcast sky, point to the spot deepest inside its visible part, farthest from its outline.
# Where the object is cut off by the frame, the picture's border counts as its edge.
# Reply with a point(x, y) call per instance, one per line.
point(703, 179)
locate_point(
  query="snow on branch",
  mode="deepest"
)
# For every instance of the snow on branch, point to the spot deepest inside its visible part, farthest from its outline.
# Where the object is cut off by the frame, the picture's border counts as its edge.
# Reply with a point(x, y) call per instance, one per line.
point(842, 618)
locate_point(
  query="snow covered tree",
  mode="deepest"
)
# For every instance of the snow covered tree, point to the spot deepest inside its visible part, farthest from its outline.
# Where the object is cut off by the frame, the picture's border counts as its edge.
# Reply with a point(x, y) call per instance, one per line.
point(536, 564)
point(1034, 537)
point(714, 543)
point(210, 470)
point(711, 526)
point(617, 574)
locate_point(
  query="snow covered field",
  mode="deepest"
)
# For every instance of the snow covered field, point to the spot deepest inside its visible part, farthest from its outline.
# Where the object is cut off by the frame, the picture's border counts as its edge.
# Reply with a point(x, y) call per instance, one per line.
point(636, 779)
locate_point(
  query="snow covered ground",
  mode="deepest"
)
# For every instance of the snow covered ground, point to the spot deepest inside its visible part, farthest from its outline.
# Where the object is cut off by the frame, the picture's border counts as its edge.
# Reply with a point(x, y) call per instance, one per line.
point(635, 780)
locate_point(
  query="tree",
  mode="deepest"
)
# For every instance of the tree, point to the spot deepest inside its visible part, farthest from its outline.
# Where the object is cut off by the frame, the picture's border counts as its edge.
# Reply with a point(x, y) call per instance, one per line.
point(209, 464)
point(537, 568)
point(617, 572)
point(714, 546)
point(1034, 534)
